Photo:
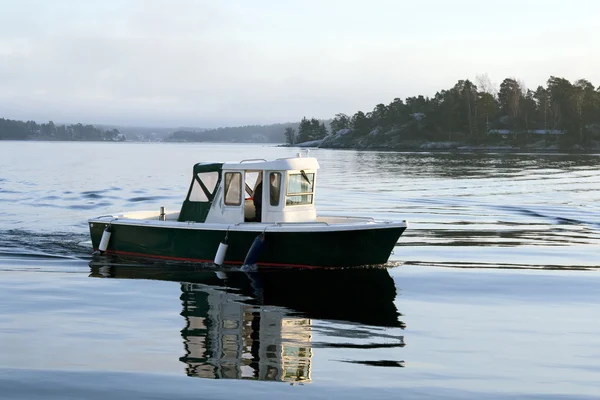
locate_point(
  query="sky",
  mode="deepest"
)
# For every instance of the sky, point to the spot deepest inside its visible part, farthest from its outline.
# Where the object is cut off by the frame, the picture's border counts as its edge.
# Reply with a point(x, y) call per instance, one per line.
point(239, 62)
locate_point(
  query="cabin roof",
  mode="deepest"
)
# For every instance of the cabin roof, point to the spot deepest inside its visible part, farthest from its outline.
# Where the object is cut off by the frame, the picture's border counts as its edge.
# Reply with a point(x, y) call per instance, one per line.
point(280, 164)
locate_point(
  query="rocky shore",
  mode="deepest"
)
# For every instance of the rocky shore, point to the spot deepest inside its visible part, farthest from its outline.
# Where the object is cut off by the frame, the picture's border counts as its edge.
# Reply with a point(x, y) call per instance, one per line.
point(392, 141)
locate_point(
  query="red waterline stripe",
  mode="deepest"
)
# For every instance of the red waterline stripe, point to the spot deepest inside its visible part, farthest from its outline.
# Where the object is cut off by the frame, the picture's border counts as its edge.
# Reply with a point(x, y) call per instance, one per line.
point(134, 254)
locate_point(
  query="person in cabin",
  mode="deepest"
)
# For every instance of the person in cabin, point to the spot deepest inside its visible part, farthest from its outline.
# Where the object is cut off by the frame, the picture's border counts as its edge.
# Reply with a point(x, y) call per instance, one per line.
point(257, 198)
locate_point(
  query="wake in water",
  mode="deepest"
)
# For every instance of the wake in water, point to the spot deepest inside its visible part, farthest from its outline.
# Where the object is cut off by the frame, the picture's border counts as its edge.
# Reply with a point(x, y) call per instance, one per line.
point(444, 244)
point(17, 243)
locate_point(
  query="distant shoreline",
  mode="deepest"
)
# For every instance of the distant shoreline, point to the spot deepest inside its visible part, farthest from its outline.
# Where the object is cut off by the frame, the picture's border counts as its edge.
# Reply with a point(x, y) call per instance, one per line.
point(454, 146)
point(408, 146)
point(64, 140)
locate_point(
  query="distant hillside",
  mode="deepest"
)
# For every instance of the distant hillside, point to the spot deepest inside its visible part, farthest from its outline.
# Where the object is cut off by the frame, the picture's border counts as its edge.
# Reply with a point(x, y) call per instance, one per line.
point(273, 133)
point(31, 130)
point(147, 133)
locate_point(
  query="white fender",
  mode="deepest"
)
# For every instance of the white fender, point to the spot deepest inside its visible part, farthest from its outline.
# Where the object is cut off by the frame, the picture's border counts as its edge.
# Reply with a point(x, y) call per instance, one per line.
point(221, 251)
point(105, 239)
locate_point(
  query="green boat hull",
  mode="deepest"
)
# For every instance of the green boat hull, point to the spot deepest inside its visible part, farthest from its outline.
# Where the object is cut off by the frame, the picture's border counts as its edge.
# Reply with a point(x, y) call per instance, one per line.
point(341, 248)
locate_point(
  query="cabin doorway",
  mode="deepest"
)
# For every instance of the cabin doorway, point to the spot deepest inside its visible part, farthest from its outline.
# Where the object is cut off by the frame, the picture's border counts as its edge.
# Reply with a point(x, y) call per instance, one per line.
point(253, 197)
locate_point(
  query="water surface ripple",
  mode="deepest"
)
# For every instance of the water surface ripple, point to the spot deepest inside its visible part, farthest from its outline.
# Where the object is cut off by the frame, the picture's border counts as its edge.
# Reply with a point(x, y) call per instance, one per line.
point(490, 294)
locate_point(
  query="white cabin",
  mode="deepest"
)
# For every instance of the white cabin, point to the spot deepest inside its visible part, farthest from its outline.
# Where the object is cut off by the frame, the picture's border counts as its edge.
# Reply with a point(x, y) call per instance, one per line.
point(229, 192)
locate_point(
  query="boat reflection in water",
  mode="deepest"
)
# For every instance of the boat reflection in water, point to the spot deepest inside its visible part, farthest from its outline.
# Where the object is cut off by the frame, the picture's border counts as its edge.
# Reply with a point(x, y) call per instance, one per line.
point(258, 325)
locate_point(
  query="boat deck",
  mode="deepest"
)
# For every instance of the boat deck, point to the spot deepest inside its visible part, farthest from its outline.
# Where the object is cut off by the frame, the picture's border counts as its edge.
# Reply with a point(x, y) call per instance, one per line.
point(323, 222)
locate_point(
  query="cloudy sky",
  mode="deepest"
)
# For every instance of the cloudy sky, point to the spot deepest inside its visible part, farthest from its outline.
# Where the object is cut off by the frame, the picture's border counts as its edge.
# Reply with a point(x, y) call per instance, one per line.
point(236, 62)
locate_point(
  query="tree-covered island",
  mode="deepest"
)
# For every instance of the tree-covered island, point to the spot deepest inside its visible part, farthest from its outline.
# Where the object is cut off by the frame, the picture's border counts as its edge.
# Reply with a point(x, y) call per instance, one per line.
point(561, 115)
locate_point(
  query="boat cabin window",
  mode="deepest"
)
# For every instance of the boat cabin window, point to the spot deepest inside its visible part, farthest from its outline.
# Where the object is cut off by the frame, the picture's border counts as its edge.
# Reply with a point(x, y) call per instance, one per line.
point(233, 188)
point(274, 188)
point(197, 192)
point(209, 179)
point(204, 186)
point(300, 189)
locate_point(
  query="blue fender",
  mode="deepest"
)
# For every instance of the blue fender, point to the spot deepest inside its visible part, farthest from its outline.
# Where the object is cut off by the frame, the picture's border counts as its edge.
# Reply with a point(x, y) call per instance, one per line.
point(255, 250)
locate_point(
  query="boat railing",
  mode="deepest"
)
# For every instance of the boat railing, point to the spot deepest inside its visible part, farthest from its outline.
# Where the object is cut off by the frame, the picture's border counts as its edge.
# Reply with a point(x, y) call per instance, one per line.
point(363, 218)
point(347, 217)
point(303, 223)
point(253, 159)
point(107, 216)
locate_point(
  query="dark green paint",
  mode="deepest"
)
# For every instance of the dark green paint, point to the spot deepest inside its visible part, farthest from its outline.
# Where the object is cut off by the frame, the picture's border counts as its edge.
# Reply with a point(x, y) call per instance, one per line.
point(327, 249)
point(197, 211)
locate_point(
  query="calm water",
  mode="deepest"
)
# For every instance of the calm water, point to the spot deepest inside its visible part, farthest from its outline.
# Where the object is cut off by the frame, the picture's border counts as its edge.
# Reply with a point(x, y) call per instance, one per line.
point(493, 292)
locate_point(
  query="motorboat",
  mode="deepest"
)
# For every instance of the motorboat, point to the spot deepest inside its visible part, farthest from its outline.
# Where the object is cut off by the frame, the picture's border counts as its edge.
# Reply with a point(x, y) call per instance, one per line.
point(228, 218)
